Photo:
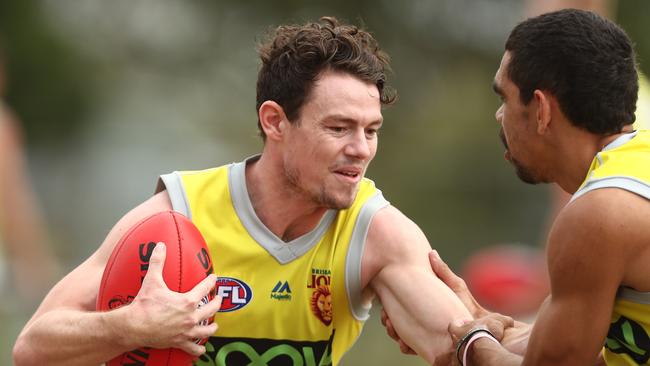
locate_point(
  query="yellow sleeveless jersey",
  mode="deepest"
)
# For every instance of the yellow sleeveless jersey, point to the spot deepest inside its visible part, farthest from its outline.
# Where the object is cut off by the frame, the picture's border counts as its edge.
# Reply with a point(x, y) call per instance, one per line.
point(625, 164)
point(284, 303)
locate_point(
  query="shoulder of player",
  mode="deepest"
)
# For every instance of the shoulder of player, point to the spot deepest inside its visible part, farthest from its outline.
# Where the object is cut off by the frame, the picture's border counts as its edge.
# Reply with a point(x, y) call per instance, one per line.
point(391, 224)
point(395, 235)
point(157, 203)
point(393, 240)
point(595, 232)
point(605, 213)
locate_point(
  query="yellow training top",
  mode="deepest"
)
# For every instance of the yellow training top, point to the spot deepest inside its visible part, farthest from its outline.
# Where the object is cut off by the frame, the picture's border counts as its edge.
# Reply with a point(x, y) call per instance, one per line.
point(284, 303)
point(625, 164)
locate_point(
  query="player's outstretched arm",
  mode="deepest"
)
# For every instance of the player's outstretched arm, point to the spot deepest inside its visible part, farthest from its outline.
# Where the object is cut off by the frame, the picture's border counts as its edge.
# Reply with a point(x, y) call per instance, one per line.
point(515, 338)
point(66, 329)
point(396, 269)
point(589, 250)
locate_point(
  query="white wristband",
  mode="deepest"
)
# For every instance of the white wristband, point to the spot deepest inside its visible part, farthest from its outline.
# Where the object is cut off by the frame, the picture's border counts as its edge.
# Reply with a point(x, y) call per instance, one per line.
point(473, 339)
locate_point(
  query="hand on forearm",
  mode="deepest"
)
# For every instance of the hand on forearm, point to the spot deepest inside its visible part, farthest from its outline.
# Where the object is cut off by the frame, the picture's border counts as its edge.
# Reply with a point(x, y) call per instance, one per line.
point(390, 330)
point(484, 352)
point(466, 334)
point(516, 338)
point(455, 284)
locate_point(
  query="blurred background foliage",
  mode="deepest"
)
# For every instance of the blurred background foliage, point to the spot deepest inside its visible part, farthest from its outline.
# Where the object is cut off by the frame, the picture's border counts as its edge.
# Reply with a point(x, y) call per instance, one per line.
point(113, 93)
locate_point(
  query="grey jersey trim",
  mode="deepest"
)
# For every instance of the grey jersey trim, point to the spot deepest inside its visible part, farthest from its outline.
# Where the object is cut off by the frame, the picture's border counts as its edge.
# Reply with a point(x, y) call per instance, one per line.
point(620, 141)
point(174, 185)
point(627, 183)
point(630, 294)
point(359, 309)
point(283, 252)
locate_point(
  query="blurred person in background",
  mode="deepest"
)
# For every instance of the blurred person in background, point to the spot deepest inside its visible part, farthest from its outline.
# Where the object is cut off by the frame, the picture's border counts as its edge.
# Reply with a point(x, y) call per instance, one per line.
point(27, 263)
point(28, 266)
point(299, 226)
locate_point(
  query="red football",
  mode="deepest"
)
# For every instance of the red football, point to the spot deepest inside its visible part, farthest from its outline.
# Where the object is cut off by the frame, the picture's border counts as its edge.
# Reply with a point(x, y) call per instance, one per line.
point(187, 263)
point(510, 279)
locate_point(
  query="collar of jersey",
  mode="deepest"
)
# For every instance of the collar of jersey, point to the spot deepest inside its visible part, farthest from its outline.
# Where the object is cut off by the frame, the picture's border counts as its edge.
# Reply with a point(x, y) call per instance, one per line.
point(283, 252)
point(620, 141)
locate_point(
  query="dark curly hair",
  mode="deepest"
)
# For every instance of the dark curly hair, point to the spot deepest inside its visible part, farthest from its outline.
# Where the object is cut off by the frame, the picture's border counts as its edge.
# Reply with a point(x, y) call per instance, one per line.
point(294, 55)
point(585, 60)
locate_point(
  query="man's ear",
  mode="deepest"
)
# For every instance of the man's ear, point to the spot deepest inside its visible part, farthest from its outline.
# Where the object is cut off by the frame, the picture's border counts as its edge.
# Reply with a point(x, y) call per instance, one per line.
point(272, 119)
point(543, 114)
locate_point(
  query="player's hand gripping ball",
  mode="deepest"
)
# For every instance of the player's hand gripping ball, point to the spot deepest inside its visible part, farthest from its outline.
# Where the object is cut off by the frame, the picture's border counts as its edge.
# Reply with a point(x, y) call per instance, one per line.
point(187, 263)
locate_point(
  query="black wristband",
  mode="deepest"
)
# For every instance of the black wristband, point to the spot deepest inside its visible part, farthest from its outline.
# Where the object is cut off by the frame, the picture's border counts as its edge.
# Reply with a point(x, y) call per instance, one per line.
point(466, 337)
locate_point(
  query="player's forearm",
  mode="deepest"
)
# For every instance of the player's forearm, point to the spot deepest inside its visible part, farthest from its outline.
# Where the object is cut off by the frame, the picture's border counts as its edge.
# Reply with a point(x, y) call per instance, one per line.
point(421, 308)
point(516, 338)
point(72, 337)
point(485, 352)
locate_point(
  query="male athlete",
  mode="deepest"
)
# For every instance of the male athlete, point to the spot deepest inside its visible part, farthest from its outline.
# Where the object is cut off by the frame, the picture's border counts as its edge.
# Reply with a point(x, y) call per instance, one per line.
point(568, 85)
point(300, 239)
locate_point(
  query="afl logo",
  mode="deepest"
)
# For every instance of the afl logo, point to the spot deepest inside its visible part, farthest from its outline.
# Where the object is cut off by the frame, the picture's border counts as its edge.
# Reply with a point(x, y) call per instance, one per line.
point(235, 294)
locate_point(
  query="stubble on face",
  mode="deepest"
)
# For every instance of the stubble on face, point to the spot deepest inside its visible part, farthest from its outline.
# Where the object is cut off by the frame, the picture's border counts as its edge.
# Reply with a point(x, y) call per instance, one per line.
point(325, 159)
point(321, 196)
point(523, 173)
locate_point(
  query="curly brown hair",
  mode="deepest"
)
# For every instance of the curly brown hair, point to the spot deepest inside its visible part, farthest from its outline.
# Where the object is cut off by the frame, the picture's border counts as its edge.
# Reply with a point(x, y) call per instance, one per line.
point(294, 55)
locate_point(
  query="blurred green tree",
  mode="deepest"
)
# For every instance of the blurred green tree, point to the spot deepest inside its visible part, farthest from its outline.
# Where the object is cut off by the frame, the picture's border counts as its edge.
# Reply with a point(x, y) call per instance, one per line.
point(47, 81)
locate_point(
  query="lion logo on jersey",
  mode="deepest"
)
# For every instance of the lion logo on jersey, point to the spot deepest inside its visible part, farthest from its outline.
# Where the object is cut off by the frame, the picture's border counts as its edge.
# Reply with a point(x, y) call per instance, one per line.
point(321, 304)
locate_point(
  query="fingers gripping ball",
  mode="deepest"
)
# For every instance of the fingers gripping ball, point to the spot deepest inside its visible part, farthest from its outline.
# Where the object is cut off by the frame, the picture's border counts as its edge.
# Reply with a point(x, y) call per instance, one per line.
point(187, 263)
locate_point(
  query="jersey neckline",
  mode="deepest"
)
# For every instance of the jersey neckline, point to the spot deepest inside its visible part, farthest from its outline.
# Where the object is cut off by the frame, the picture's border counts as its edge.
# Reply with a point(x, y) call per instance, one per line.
point(283, 252)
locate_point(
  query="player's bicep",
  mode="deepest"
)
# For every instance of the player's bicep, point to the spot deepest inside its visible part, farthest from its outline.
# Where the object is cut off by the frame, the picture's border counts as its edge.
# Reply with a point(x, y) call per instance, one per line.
point(585, 267)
